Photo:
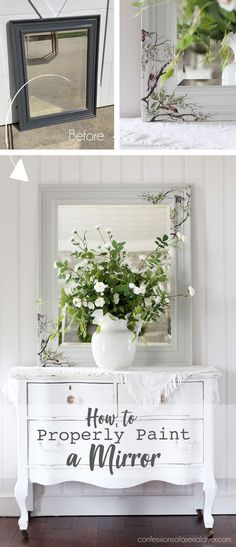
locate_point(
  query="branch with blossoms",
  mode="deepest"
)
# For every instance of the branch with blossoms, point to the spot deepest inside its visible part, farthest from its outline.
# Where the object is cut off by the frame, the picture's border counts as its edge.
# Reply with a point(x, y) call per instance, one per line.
point(48, 352)
point(180, 212)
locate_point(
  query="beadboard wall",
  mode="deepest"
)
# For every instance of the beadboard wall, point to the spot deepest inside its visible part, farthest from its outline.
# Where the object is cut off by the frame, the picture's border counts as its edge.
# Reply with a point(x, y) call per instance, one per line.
point(214, 308)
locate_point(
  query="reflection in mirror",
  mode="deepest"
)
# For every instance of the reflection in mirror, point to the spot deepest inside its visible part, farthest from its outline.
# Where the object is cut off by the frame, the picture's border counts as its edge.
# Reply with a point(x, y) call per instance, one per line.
point(138, 225)
point(59, 52)
point(195, 69)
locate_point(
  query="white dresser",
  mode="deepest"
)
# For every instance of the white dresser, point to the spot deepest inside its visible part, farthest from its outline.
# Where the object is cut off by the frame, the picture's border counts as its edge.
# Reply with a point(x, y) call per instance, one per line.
point(59, 441)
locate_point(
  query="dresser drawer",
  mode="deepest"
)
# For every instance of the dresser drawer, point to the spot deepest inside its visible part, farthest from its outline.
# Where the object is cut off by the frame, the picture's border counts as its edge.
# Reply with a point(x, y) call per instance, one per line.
point(59, 400)
point(51, 442)
point(187, 400)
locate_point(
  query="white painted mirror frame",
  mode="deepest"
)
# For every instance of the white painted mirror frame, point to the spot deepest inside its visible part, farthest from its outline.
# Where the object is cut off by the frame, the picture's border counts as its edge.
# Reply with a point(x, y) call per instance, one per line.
point(210, 103)
point(179, 351)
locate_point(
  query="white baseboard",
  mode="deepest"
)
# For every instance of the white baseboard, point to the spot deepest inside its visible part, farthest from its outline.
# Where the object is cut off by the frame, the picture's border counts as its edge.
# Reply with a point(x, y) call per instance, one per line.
point(117, 505)
point(8, 507)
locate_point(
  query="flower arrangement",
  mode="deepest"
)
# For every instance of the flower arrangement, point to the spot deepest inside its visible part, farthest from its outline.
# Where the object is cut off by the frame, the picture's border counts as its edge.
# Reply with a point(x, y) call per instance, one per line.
point(104, 281)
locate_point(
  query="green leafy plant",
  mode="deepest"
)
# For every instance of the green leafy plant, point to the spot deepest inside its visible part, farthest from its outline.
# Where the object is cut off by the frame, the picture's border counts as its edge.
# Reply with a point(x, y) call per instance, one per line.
point(204, 23)
point(213, 25)
point(105, 281)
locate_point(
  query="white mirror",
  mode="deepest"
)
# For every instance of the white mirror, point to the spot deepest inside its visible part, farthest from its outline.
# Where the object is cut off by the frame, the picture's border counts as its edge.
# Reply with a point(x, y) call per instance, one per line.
point(199, 84)
point(138, 222)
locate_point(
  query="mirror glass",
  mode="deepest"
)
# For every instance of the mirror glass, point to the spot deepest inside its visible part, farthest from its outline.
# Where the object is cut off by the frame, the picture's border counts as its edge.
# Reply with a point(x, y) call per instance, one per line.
point(194, 68)
point(62, 53)
point(138, 225)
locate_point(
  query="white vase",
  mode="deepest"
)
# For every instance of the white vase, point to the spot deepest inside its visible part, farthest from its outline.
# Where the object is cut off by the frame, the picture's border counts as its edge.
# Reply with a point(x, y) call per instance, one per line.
point(114, 346)
point(229, 72)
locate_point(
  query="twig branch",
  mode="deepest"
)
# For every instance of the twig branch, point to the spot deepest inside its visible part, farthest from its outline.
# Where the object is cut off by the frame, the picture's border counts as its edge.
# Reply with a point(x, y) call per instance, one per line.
point(156, 80)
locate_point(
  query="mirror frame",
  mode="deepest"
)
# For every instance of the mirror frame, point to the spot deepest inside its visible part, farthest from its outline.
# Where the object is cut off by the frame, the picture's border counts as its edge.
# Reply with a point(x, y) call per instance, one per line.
point(217, 103)
point(179, 351)
point(17, 30)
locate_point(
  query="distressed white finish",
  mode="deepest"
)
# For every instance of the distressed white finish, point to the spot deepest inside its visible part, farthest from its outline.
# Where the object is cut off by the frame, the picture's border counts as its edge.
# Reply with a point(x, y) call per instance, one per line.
point(43, 461)
point(214, 314)
point(15, 9)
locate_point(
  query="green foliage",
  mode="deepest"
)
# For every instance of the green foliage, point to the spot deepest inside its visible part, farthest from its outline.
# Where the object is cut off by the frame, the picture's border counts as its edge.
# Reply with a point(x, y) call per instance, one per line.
point(105, 279)
point(203, 23)
point(213, 25)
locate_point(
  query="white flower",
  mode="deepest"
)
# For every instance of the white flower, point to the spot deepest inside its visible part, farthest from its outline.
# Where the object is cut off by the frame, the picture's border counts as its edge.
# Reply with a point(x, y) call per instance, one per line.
point(116, 298)
point(91, 306)
point(167, 300)
point(142, 289)
point(191, 291)
point(227, 5)
point(100, 287)
point(85, 303)
point(99, 303)
point(80, 264)
point(67, 277)
point(181, 237)
point(161, 287)
point(142, 257)
point(71, 288)
point(106, 246)
point(98, 317)
point(72, 240)
point(157, 300)
point(97, 227)
point(55, 265)
point(148, 302)
point(108, 230)
point(77, 302)
point(137, 290)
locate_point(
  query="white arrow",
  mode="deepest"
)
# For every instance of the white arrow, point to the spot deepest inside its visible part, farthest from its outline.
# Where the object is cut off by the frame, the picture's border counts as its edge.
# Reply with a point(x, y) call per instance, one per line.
point(19, 172)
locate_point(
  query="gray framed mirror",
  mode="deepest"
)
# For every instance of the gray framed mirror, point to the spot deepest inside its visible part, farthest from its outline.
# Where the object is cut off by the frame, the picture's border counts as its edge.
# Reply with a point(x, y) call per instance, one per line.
point(192, 85)
point(55, 66)
point(133, 218)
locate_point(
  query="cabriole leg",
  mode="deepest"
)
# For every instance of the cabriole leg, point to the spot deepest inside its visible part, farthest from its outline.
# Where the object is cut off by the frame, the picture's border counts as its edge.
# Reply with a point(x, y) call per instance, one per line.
point(210, 489)
point(21, 492)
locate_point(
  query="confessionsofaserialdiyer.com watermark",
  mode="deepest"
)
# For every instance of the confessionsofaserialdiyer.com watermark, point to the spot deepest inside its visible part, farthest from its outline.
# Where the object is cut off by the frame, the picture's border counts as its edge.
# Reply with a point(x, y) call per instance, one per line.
point(85, 136)
point(183, 539)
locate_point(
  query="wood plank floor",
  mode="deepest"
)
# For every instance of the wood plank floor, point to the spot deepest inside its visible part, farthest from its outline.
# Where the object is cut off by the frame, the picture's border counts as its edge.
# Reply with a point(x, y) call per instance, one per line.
point(115, 531)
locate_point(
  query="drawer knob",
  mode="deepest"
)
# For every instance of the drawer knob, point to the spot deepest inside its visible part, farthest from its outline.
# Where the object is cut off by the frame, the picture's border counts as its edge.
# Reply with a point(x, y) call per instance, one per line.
point(70, 399)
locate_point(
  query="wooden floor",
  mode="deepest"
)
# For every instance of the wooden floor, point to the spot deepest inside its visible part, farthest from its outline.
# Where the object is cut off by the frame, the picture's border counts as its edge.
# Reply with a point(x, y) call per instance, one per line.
point(114, 531)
